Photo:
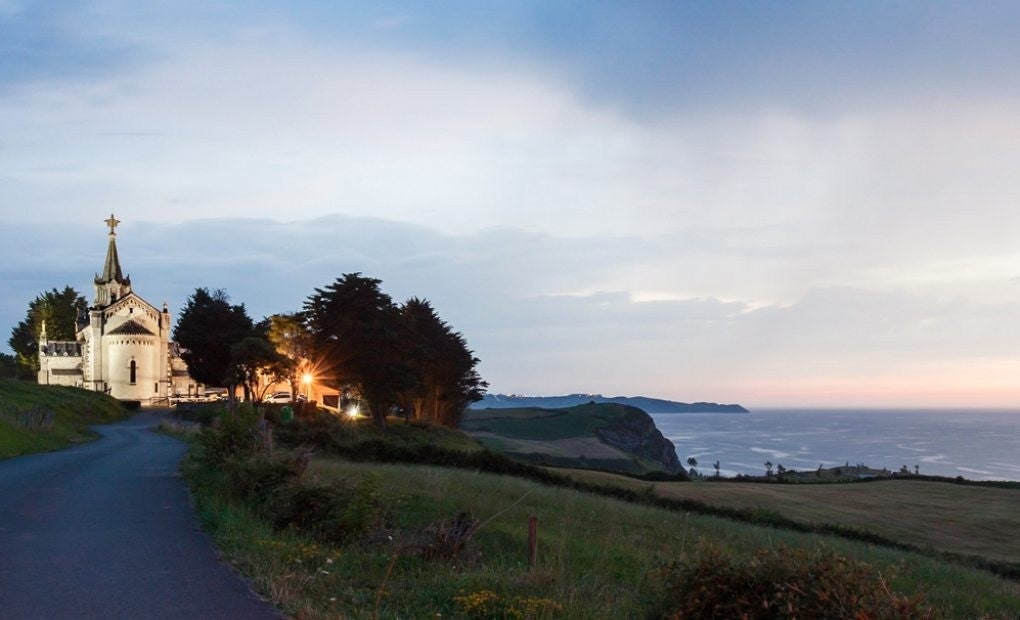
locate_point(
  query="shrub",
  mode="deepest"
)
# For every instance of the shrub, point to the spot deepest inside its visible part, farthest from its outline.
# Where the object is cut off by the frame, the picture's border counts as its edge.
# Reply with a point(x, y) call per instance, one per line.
point(444, 539)
point(203, 413)
point(235, 435)
point(334, 513)
point(780, 583)
point(257, 478)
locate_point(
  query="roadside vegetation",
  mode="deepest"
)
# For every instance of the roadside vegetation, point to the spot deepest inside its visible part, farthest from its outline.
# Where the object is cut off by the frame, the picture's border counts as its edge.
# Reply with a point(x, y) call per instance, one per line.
point(38, 418)
point(324, 536)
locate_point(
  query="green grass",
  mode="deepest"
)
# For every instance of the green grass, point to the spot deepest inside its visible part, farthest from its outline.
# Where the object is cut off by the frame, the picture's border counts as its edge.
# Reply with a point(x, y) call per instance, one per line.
point(596, 555)
point(533, 423)
point(73, 411)
point(961, 519)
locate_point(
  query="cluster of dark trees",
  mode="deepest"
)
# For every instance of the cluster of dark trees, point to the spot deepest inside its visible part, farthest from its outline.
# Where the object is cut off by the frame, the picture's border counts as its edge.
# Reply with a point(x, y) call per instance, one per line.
point(394, 359)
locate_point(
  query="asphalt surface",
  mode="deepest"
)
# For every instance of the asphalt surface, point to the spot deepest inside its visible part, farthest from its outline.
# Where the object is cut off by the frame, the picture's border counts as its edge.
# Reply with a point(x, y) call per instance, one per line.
point(106, 530)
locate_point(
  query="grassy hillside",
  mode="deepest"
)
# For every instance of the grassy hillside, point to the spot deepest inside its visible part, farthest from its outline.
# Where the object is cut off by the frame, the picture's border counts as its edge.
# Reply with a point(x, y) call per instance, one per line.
point(597, 557)
point(37, 418)
point(962, 519)
point(568, 437)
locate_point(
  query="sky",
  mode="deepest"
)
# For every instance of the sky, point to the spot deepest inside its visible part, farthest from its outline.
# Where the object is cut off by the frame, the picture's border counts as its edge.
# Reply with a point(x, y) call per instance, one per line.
point(770, 203)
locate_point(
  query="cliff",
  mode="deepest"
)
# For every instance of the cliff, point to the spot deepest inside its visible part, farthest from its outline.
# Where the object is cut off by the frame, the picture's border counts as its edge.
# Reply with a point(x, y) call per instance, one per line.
point(605, 436)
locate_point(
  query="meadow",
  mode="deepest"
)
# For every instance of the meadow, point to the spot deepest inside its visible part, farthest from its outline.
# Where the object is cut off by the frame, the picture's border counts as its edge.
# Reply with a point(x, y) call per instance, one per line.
point(970, 520)
point(597, 557)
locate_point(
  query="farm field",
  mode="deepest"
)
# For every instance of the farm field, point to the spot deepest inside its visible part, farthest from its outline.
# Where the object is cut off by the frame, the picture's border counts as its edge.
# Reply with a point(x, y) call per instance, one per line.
point(964, 519)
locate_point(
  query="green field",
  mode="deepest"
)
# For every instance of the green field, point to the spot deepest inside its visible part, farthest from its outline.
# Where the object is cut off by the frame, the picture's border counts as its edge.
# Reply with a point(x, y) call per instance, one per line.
point(954, 518)
point(597, 556)
point(66, 413)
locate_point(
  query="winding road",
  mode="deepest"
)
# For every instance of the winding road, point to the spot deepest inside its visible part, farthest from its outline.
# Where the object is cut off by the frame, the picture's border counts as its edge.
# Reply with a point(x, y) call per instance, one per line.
point(106, 530)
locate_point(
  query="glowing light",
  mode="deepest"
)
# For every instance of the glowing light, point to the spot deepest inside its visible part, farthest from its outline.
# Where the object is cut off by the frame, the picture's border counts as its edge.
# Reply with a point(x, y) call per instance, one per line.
point(307, 378)
point(353, 411)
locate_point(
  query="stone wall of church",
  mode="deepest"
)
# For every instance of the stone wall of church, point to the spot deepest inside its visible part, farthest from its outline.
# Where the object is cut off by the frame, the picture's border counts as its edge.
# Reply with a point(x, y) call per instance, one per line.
point(140, 353)
point(60, 370)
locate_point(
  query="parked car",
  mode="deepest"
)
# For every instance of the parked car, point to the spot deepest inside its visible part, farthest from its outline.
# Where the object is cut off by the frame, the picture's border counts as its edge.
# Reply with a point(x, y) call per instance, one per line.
point(278, 397)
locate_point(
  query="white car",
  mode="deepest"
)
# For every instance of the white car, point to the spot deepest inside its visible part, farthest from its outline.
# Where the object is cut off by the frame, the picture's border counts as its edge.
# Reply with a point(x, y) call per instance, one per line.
point(278, 397)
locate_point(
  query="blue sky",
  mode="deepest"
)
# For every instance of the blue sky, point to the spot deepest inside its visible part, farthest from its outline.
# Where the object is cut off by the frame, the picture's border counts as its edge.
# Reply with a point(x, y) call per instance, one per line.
point(771, 203)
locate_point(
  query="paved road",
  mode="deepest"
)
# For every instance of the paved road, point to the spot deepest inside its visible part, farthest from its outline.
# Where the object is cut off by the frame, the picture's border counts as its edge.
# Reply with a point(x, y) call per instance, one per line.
point(106, 530)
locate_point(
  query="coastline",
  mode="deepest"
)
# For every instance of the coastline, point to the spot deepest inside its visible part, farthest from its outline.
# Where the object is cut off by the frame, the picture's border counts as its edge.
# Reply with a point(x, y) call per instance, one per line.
point(977, 444)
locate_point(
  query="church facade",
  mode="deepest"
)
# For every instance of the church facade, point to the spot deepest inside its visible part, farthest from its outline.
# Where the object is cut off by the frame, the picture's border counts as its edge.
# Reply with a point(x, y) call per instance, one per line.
point(122, 346)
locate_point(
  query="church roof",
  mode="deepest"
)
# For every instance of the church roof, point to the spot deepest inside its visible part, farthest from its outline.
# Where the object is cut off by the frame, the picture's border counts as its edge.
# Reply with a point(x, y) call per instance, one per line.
point(131, 328)
point(111, 268)
point(62, 348)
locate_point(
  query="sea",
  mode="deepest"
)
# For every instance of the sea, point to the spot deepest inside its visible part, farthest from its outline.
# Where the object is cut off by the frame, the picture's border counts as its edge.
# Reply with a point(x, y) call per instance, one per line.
point(975, 444)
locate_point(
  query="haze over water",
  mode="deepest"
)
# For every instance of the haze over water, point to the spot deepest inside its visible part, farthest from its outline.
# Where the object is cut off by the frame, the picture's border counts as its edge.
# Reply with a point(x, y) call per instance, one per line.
point(975, 444)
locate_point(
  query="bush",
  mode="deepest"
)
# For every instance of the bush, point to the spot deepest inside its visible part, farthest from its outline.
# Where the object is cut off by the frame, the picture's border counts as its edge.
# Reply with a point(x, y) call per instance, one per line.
point(334, 513)
point(131, 405)
point(780, 583)
point(236, 435)
point(257, 478)
point(203, 413)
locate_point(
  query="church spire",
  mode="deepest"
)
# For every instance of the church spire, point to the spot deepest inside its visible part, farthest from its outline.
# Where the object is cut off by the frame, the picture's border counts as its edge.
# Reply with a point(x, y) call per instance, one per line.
point(111, 269)
point(112, 285)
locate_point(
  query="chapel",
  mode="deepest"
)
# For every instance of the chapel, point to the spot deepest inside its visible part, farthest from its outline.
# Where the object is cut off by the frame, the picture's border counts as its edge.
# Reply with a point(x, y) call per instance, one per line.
point(122, 346)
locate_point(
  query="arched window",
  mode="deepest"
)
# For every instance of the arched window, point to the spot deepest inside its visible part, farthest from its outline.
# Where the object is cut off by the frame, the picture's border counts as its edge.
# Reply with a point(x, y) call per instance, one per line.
point(133, 369)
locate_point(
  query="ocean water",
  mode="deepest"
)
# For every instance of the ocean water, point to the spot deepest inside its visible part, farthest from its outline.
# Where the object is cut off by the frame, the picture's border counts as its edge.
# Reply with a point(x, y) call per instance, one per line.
point(975, 444)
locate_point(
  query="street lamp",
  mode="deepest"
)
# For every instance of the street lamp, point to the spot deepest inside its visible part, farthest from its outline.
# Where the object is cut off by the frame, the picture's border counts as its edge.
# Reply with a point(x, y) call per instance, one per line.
point(307, 380)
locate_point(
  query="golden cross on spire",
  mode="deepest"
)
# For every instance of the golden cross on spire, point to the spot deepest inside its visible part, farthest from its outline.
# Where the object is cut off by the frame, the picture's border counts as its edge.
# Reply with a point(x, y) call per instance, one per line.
point(112, 223)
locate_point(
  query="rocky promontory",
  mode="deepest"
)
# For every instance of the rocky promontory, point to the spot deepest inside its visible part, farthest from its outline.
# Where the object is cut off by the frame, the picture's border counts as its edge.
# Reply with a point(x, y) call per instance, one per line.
point(606, 436)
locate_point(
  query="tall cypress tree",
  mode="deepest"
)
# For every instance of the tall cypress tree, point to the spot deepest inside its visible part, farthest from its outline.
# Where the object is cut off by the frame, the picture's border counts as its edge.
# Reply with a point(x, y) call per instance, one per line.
point(447, 379)
point(356, 329)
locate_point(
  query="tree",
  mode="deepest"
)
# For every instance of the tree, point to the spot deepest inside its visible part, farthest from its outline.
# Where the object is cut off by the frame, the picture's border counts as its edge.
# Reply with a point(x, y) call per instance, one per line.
point(257, 365)
point(206, 330)
point(60, 310)
point(693, 462)
point(443, 366)
point(716, 466)
point(768, 469)
point(780, 470)
point(356, 331)
point(290, 337)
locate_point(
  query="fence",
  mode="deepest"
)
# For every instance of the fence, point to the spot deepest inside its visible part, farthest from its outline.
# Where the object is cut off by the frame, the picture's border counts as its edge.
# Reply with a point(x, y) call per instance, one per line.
point(34, 419)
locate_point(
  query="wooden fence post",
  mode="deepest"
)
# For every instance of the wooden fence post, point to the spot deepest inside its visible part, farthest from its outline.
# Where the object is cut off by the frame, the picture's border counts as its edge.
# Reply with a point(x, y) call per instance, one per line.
point(532, 541)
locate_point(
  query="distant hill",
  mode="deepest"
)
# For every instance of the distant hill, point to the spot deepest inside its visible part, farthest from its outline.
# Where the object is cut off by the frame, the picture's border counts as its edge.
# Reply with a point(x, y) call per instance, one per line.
point(651, 405)
point(607, 436)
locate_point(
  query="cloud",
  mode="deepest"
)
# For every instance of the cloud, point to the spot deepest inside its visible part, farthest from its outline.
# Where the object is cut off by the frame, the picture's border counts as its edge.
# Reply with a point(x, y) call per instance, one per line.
point(740, 245)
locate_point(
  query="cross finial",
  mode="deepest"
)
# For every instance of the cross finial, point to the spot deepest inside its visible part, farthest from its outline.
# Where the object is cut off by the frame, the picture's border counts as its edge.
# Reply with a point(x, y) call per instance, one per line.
point(112, 223)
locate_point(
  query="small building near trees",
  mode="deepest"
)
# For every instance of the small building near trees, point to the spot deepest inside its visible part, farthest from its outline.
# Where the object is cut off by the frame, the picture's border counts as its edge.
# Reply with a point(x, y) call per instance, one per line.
point(122, 345)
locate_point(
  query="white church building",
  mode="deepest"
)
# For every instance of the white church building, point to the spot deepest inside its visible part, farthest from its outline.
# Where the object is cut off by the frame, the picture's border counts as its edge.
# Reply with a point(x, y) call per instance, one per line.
point(122, 346)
